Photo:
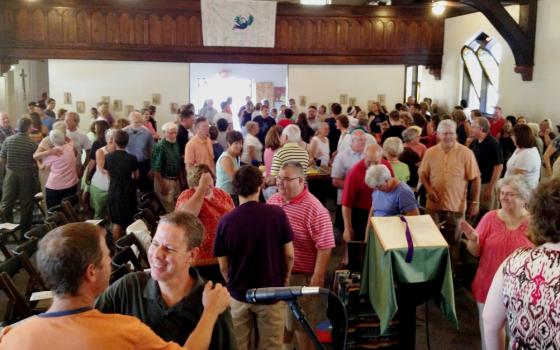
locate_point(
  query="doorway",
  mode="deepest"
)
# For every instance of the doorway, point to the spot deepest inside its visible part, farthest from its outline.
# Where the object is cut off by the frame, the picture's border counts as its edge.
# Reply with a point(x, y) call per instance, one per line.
point(220, 88)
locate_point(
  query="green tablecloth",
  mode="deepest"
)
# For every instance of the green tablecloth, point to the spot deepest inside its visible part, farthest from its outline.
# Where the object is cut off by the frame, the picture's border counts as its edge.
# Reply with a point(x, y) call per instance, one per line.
point(381, 269)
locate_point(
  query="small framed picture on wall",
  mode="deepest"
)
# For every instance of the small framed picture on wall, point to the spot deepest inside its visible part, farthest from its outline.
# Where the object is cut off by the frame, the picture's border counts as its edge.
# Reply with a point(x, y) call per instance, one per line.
point(67, 98)
point(343, 99)
point(174, 108)
point(156, 99)
point(352, 101)
point(80, 107)
point(128, 109)
point(106, 100)
point(117, 105)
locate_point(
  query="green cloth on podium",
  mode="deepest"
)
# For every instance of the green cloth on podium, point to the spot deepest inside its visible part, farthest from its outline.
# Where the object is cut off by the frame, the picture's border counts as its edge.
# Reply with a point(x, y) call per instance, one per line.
point(382, 269)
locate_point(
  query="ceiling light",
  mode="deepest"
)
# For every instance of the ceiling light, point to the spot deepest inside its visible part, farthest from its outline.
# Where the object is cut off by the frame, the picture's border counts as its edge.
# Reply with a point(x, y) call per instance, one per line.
point(438, 7)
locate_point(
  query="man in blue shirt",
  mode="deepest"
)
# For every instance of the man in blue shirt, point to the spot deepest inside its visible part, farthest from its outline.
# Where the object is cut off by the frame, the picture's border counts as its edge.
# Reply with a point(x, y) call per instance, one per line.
point(140, 145)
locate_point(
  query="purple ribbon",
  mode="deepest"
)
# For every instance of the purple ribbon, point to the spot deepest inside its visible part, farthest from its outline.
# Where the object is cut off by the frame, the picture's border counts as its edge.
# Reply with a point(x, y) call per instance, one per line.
point(410, 250)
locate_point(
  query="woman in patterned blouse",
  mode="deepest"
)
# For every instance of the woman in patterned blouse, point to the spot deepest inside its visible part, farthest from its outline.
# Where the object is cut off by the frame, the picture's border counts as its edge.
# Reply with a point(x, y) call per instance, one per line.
point(525, 291)
point(209, 204)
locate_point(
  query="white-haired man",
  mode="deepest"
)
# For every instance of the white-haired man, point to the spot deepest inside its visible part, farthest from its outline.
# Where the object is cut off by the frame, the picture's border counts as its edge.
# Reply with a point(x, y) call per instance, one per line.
point(445, 172)
point(79, 139)
point(343, 162)
point(166, 166)
point(140, 145)
point(290, 150)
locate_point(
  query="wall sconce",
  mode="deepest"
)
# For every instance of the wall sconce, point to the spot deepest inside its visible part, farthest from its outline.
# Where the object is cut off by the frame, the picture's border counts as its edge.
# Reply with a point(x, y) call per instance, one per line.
point(438, 7)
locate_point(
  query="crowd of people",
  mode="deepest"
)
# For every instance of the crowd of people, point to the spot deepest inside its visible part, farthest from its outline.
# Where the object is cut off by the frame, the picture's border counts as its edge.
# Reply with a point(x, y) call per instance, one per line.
point(240, 212)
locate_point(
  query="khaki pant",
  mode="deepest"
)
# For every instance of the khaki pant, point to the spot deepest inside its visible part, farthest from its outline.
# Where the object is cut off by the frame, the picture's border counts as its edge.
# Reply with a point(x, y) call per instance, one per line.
point(170, 198)
point(490, 204)
point(20, 185)
point(314, 306)
point(267, 320)
point(450, 231)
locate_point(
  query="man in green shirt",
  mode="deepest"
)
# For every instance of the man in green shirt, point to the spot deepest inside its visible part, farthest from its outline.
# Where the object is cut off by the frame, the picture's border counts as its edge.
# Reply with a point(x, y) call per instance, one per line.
point(166, 165)
point(169, 298)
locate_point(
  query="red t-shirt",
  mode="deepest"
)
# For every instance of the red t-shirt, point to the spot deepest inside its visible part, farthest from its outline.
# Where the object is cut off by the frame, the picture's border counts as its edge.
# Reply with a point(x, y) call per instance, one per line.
point(285, 122)
point(496, 126)
point(356, 193)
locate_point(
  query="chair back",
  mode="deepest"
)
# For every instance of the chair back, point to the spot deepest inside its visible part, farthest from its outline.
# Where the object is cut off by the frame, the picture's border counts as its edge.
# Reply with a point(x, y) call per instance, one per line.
point(56, 219)
point(118, 273)
point(131, 241)
point(37, 232)
point(128, 258)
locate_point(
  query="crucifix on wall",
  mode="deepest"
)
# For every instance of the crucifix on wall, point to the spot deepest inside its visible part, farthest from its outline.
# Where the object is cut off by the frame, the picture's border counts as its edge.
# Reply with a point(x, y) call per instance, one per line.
point(23, 76)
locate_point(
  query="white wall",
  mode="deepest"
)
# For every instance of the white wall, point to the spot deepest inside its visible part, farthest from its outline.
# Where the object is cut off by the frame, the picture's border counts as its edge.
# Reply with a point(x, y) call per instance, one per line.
point(3, 104)
point(131, 82)
point(325, 84)
point(535, 99)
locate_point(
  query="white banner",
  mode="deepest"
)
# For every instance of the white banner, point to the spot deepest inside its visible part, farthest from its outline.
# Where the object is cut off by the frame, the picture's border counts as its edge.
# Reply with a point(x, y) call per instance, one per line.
point(238, 23)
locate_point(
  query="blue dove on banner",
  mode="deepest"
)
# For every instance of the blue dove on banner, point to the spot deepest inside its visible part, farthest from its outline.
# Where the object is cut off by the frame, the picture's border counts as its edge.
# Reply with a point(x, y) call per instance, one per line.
point(242, 23)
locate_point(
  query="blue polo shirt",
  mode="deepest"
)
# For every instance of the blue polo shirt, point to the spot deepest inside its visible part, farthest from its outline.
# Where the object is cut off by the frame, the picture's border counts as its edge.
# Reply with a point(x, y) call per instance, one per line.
point(399, 201)
point(140, 142)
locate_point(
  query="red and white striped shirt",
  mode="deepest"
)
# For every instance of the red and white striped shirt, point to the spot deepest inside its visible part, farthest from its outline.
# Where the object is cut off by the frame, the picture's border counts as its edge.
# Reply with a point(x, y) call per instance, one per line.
point(311, 225)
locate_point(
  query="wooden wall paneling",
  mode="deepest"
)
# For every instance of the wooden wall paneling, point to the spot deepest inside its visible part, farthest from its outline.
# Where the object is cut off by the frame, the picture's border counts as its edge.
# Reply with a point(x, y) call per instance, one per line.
point(330, 35)
point(113, 36)
point(155, 30)
point(169, 31)
point(54, 26)
point(23, 29)
point(195, 32)
point(69, 28)
point(83, 27)
point(126, 29)
point(98, 28)
point(181, 28)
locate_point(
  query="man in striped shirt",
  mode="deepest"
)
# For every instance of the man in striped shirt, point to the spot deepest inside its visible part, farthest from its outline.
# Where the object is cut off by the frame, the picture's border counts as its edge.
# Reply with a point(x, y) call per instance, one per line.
point(290, 150)
point(313, 241)
point(19, 183)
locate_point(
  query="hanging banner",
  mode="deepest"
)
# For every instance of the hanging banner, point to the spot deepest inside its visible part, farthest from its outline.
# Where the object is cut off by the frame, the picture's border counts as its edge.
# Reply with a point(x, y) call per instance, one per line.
point(238, 23)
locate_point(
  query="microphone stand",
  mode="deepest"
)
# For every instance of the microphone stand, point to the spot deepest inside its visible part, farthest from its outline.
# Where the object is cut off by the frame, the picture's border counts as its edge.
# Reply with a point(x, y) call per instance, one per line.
point(296, 310)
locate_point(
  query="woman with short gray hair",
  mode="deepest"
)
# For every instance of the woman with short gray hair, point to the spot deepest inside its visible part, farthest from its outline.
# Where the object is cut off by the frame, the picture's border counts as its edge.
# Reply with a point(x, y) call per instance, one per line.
point(497, 235)
point(390, 196)
point(63, 177)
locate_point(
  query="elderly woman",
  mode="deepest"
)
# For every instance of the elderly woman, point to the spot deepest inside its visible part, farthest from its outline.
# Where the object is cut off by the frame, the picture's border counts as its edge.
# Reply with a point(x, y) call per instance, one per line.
point(497, 235)
point(228, 163)
point(393, 147)
point(99, 186)
point(209, 204)
point(525, 160)
point(524, 291)
point(390, 196)
point(319, 150)
point(252, 147)
point(63, 177)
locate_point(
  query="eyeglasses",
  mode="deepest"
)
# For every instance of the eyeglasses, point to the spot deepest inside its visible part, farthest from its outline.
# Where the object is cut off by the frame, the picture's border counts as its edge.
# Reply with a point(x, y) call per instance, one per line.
point(286, 179)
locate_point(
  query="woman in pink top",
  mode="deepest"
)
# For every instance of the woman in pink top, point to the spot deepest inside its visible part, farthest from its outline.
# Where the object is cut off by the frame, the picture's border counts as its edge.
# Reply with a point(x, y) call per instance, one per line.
point(498, 234)
point(63, 177)
point(271, 144)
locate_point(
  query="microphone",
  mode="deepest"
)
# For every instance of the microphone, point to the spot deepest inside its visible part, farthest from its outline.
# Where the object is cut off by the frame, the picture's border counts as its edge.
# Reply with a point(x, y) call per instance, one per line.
point(260, 295)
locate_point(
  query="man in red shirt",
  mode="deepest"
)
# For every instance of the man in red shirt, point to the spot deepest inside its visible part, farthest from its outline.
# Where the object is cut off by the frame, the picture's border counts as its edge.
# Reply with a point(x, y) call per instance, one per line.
point(497, 122)
point(356, 196)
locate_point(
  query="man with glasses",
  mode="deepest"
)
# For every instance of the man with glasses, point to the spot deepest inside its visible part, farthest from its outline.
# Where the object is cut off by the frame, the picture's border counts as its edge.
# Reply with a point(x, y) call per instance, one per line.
point(445, 172)
point(313, 241)
point(169, 297)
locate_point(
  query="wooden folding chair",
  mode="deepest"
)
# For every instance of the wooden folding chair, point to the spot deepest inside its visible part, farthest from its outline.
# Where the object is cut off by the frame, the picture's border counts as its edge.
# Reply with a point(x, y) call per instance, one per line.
point(151, 201)
point(25, 251)
point(119, 272)
point(37, 232)
point(131, 241)
point(150, 218)
point(128, 258)
point(3, 249)
point(56, 219)
point(73, 209)
point(17, 307)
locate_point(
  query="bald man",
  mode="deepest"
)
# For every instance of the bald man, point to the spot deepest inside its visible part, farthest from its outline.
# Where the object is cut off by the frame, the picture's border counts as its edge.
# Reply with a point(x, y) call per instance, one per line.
point(140, 144)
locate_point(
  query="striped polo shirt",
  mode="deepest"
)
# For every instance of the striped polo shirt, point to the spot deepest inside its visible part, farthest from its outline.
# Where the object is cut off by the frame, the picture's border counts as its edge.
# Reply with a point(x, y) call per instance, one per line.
point(18, 151)
point(290, 152)
point(311, 225)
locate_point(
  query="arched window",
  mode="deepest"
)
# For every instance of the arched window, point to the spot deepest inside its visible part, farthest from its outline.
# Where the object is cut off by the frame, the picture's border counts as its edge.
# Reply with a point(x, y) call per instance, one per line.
point(481, 73)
